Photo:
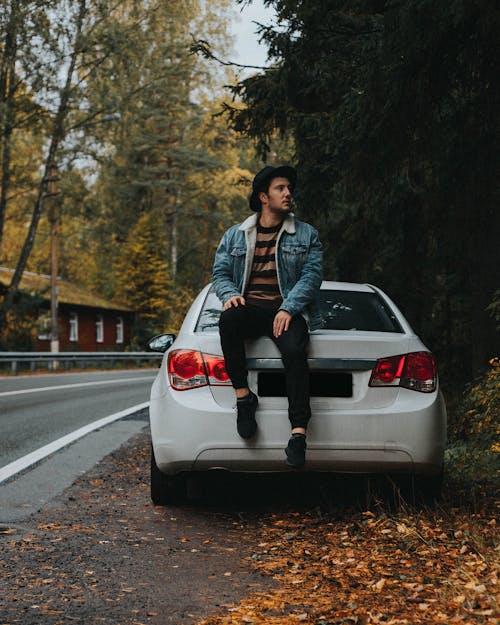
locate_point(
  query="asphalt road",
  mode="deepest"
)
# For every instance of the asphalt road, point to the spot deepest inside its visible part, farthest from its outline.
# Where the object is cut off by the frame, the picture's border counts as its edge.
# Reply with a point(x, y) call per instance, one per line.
point(36, 410)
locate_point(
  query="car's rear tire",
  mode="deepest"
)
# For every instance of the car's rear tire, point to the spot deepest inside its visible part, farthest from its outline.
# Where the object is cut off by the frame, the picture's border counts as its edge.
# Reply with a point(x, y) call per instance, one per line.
point(166, 489)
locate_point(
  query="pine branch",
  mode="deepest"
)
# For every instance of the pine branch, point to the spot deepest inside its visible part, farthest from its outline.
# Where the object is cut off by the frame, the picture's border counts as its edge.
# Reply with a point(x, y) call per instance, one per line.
point(202, 48)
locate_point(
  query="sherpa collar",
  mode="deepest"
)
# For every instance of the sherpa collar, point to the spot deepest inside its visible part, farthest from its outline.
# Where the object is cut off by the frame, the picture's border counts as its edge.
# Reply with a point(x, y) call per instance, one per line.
point(251, 222)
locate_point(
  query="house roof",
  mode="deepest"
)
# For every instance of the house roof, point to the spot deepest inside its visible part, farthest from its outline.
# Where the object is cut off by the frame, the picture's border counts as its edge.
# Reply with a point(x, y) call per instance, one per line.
point(67, 292)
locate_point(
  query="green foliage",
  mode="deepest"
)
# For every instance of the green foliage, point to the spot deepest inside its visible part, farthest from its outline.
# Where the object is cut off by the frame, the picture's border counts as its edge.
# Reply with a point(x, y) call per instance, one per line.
point(494, 308)
point(165, 169)
point(473, 457)
point(143, 282)
point(19, 332)
point(471, 475)
point(169, 156)
point(478, 423)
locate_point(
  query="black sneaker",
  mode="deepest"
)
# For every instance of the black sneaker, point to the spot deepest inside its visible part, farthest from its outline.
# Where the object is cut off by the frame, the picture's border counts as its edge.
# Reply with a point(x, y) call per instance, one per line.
point(296, 451)
point(245, 421)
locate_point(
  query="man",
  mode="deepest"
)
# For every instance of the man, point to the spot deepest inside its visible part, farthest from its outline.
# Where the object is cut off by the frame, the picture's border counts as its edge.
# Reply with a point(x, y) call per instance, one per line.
point(267, 273)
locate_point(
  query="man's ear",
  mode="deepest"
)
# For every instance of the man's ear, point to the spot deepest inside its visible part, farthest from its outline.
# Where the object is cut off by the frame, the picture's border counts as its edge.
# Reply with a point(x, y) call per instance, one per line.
point(263, 196)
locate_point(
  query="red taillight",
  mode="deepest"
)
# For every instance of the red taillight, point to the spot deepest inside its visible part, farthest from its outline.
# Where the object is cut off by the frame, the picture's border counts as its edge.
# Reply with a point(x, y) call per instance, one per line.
point(387, 370)
point(416, 371)
point(189, 369)
point(186, 369)
point(420, 372)
point(216, 370)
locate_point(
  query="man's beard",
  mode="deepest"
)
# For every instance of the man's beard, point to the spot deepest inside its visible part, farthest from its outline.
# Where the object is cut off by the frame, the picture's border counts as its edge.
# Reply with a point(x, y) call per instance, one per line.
point(282, 210)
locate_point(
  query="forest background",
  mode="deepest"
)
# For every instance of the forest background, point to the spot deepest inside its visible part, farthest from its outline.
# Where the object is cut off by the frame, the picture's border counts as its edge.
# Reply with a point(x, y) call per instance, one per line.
point(389, 110)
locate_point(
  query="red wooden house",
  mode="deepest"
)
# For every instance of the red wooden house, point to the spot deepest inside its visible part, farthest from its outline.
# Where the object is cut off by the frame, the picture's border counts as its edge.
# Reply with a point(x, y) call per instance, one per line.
point(86, 322)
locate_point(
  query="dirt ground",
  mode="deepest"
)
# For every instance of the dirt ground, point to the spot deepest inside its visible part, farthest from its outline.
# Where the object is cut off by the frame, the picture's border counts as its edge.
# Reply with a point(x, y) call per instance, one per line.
point(105, 554)
point(244, 550)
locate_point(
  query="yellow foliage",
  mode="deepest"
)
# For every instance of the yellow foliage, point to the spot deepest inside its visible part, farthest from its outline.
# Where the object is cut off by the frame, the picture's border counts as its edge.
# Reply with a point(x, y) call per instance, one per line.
point(26, 153)
point(144, 283)
point(19, 331)
point(479, 422)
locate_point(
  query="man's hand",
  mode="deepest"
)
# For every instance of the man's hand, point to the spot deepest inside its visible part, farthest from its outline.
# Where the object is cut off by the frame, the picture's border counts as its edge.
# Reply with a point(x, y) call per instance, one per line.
point(234, 301)
point(281, 322)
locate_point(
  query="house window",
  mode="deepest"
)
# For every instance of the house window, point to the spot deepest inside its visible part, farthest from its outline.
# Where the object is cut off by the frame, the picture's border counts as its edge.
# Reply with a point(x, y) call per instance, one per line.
point(99, 329)
point(73, 327)
point(119, 330)
point(44, 323)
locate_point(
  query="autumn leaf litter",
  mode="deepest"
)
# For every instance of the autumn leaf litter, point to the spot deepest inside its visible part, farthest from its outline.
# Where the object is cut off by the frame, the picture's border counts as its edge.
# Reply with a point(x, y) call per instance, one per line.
point(269, 564)
point(373, 568)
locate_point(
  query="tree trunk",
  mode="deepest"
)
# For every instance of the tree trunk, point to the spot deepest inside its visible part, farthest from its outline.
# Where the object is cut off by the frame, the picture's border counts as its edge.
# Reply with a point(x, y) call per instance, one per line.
point(7, 92)
point(58, 134)
point(174, 245)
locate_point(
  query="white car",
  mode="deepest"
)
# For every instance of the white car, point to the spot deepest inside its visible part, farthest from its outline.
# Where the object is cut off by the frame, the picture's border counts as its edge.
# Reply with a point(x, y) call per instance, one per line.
point(375, 398)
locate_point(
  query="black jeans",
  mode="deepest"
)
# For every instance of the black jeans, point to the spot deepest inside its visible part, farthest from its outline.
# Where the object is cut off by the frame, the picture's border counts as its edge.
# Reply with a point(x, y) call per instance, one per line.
point(244, 322)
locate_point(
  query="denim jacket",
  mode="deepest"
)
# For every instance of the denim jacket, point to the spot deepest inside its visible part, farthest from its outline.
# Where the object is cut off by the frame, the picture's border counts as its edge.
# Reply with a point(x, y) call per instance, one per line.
point(298, 263)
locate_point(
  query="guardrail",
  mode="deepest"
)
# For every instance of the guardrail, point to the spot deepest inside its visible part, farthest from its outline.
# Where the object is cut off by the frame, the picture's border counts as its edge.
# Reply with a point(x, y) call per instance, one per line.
point(82, 359)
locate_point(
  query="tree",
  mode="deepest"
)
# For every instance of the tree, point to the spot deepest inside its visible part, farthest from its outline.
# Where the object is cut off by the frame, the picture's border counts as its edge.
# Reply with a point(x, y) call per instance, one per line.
point(59, 66)
point(166, 166)
point(20, 22)
point(393, 108)
point(143, 281)
point(172, 157)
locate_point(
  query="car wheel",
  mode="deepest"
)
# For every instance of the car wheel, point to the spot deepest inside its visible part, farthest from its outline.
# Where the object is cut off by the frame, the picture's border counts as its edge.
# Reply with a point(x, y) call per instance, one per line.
point(166, 489)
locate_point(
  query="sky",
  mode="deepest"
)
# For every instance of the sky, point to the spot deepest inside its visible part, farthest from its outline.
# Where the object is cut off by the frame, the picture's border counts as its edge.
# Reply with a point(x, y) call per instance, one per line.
point(247, 49)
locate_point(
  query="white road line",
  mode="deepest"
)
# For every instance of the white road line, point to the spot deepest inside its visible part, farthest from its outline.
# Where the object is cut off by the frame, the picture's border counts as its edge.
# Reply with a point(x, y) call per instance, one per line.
point(60, 387)
point(39, 454)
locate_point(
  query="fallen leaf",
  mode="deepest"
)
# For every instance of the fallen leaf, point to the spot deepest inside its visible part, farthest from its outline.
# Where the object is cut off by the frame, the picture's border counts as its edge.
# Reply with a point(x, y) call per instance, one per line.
point(379, 585)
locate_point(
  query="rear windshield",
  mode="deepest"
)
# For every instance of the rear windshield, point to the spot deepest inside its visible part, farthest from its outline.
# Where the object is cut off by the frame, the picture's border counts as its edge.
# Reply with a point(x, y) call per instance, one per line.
point(357, 310)
point(341, 310)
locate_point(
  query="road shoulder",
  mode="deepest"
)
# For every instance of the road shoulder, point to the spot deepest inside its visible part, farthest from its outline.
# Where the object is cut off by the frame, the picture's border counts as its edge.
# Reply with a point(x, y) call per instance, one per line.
point(101, 552)
point(27, 493)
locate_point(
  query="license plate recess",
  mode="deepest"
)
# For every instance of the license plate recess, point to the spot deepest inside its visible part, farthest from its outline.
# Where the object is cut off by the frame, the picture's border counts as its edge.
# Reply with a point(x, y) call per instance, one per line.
point(322, 384)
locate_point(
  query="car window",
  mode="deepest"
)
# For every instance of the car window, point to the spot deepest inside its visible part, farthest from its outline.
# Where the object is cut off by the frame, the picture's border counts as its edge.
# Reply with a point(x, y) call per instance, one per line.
point(341, 310)
point(357, 310)
point(208, 320)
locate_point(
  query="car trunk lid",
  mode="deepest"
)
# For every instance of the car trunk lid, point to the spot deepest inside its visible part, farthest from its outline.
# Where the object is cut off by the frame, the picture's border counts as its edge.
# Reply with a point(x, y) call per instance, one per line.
point(340, 365)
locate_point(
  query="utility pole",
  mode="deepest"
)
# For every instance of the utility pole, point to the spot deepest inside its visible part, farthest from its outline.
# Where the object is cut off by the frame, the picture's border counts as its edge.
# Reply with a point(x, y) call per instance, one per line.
point(54, 232)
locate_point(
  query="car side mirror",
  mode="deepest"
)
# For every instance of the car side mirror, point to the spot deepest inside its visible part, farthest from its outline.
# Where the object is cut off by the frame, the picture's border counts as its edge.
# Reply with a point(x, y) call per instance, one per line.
point(161, 342)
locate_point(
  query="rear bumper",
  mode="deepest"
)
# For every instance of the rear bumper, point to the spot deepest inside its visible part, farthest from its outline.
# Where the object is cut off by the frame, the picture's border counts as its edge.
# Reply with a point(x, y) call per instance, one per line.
point(330, 459)
point(191, 432)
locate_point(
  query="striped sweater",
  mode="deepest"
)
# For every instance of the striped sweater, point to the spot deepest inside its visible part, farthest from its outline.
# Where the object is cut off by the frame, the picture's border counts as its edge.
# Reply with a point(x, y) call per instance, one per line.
point(263, 288)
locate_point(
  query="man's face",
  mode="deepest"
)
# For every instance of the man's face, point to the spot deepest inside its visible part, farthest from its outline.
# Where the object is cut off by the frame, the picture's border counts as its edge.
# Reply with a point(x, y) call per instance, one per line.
point(278, 198)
